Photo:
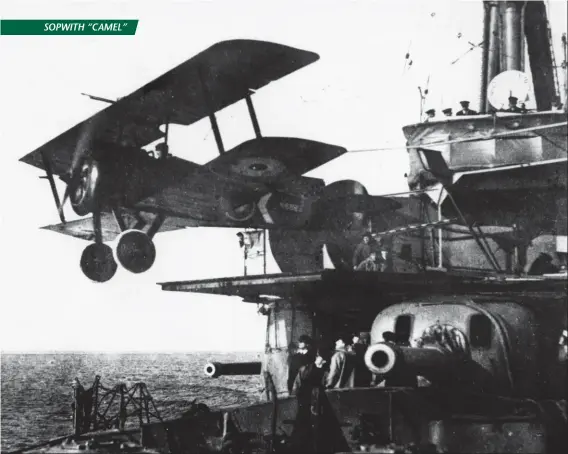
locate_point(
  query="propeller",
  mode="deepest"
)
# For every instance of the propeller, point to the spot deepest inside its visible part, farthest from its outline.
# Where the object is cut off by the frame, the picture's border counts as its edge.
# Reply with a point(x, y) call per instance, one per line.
point(81, 152)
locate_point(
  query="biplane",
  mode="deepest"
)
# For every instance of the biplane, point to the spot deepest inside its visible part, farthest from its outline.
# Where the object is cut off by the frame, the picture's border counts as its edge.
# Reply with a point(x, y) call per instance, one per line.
point(132, 194)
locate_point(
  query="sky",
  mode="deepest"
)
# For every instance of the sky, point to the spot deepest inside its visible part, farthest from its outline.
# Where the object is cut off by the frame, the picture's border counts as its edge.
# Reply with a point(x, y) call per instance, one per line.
point(358, 95)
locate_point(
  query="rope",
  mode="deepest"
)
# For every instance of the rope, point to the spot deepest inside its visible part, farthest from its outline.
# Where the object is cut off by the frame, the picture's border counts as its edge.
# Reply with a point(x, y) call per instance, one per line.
point(414, 227)
point(471, 139)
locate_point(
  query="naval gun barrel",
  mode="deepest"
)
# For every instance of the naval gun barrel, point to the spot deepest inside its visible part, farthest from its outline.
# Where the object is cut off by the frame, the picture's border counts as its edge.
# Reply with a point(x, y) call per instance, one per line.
point(430, 362)
point(214, 370)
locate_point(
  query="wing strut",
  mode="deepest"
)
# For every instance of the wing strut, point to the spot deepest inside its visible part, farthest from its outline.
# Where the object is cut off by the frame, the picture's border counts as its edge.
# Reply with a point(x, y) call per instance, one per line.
point(212, 118)
point(49, 177)
point(438, 167)
point(253, 117)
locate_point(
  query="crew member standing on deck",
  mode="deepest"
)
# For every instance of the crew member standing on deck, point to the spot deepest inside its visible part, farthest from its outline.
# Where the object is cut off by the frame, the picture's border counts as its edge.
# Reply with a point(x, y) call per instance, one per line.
point(465, 110)
point(363, 375)
point(363, 250)
point(430, 115)
point(308, 384)
point(447, 112)
point(383, 256)
point(302, 357)
point(341, 367)
point(513, 105)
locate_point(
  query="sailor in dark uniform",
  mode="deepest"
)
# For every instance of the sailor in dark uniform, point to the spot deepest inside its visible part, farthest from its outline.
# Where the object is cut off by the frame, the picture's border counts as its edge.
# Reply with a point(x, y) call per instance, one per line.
point(431, 113)
point(513, 105)
point(447, 112)
point(465, 109)
point(302, 357)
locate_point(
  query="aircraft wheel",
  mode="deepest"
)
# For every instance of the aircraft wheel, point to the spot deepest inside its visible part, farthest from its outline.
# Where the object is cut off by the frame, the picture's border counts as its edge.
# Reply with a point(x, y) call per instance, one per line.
point(135, 251)
point(97, 262)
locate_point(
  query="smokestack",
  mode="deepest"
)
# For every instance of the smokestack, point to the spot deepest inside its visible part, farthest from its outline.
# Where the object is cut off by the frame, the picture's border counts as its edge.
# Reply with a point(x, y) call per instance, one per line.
point(512, 37)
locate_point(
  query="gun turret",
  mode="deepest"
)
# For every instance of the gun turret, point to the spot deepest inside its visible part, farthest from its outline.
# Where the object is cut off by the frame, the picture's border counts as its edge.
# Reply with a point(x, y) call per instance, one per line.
point(402, 365)
point(214, 370)
point(386, 359)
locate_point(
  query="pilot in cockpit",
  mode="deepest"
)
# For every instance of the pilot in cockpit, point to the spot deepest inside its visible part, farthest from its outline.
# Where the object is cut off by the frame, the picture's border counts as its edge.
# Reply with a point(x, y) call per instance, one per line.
point(162, 150)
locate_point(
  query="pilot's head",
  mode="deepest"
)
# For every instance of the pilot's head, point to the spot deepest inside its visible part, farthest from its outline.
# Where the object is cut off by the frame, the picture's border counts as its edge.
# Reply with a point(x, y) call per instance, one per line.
point(464, 104)
point(513, 100)
point(447, 112)
point(431, 113)
point(162, 150)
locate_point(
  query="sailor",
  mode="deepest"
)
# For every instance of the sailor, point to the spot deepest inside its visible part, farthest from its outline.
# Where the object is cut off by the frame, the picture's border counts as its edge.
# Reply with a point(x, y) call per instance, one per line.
point(302, 357)
point(430, 114)
point(543, 264)
point(341, 367)
point(362, 373)
point(363, 250)
point(371, 263)
point(513, 105)
point(447, 112)
point(465, 110)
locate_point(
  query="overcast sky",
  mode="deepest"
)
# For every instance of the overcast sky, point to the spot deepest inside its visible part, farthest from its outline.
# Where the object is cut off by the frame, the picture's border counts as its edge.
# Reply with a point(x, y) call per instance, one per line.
point(358, 95)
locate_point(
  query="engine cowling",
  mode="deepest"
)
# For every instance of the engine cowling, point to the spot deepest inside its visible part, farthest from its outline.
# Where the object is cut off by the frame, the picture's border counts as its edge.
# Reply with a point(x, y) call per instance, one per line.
point(115, 175)
point(85, 186)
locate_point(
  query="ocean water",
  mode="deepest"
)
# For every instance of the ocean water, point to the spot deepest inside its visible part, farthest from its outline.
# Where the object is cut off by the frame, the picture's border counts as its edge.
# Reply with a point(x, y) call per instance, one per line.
point(37, 394)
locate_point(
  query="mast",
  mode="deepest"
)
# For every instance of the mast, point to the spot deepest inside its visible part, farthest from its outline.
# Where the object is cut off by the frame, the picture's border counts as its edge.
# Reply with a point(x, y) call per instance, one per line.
point(484, 81)
point(565, 68)
point(493, 46)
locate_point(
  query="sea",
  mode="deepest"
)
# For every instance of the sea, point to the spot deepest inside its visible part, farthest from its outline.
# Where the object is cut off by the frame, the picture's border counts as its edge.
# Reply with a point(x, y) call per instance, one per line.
point(36, 392)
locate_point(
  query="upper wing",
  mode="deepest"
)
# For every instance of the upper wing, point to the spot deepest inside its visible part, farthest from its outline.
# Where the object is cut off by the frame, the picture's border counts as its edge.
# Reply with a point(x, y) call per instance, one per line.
point(226, 72)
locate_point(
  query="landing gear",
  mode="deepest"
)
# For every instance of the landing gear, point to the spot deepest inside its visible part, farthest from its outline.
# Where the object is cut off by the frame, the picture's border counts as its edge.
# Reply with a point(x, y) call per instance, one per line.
point(97, 262)
point(135, 251)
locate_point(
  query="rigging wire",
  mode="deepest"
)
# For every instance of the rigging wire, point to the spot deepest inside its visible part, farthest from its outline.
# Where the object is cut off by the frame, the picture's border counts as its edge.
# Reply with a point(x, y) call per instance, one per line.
point(461, 140)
